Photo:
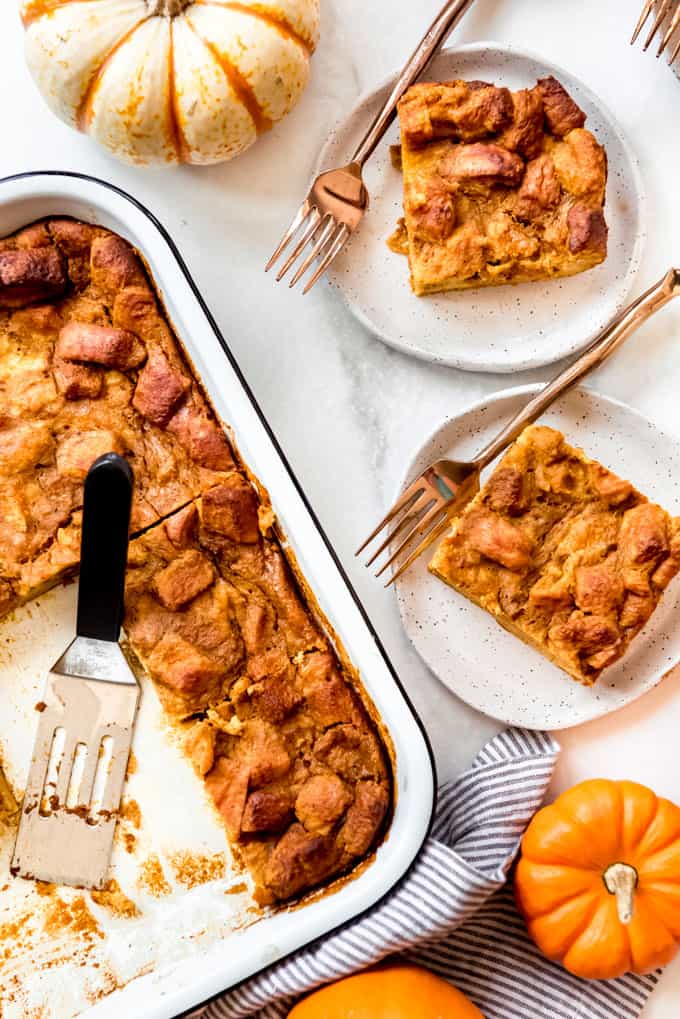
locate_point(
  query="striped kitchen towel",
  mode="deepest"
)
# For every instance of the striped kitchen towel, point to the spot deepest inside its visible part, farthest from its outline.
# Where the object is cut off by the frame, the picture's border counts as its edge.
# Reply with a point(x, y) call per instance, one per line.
point(454, 911)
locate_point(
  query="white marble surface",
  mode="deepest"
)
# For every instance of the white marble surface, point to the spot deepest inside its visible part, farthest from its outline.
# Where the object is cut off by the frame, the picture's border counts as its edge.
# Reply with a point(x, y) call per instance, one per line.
point(347, 409)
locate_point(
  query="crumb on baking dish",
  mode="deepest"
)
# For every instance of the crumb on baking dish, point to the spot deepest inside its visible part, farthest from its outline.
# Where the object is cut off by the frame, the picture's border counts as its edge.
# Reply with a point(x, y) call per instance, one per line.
point(240, 888)
point(151, 878)
point(112, 898)
point(130, 811)
point(71, 915)
point(191, 869)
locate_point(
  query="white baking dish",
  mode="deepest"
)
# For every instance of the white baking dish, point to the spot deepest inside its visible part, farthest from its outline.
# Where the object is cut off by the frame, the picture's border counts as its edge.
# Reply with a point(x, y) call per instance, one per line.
point(184, 982)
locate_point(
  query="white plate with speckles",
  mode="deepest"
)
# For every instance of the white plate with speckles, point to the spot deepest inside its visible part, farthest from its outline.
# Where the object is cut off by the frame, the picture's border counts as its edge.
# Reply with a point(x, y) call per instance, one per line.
point(476, 658)
point(500, 329)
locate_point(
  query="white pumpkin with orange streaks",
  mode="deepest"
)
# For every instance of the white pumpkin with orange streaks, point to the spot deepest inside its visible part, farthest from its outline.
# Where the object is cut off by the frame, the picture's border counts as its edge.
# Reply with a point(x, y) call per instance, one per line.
point(171, 81)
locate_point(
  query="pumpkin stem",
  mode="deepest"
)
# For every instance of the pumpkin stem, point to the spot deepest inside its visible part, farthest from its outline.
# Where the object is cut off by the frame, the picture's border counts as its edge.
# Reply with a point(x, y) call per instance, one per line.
point(620, 879)
point(167, 8)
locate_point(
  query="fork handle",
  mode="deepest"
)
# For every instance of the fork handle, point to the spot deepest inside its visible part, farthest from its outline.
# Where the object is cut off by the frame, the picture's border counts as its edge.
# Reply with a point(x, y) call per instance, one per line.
point(611, 337)
point(103, 548)
point(446, 20)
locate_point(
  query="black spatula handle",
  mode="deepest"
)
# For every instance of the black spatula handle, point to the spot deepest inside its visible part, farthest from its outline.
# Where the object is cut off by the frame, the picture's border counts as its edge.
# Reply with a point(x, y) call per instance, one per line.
point(103, 549)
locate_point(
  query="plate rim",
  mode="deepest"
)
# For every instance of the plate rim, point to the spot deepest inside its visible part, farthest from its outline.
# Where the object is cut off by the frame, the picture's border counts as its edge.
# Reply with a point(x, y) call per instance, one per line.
point(632, 271)
point(509, 392)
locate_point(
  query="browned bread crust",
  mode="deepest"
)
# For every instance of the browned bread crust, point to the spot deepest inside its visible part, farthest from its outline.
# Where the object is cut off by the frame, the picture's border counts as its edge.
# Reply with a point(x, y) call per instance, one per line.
point(81, 334)
point(499, 186)
point(563, 553)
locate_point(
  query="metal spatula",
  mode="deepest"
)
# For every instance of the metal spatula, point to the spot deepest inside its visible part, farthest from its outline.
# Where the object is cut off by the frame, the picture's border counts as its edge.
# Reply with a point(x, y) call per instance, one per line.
point(81, 751)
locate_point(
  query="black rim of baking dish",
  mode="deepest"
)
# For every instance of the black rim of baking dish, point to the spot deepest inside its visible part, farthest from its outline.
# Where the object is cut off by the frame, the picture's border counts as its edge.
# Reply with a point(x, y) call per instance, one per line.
point(265, 423)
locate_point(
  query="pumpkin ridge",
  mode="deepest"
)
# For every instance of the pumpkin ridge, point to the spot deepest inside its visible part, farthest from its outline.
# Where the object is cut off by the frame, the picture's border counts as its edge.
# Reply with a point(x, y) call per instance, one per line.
point(175, 131)
point(649, 857)
point(634, 847)
point(591, 892)
point(663, 846)
point(263, 12)
point(660, 886)
point(574, 946)
point(34, 10)
point(573, 822)
point(84, 112)
point(241, 87)
point(620, 814)
point(649, 905)
point(585, 828)
point(558, 905)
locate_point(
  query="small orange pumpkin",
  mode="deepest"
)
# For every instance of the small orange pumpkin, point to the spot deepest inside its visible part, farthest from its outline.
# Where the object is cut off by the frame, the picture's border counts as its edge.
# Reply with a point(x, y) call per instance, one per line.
point(598, 880)
point(388, 992)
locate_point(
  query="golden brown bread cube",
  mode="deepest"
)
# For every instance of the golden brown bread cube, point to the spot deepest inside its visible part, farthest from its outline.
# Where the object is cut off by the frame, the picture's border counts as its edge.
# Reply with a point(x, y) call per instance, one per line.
point(563, 553)
point(499, 186)
point(36, 274)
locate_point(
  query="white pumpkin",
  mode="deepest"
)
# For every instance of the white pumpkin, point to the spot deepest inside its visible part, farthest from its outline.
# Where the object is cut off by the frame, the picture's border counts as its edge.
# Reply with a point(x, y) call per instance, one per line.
point(171, 81)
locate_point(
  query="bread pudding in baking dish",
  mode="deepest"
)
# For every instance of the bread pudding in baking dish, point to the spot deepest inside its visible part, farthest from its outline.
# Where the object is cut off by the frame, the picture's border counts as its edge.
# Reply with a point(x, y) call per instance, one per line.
point(563, 553)
point(272, 716)
point(88, 365)
point(499, 186)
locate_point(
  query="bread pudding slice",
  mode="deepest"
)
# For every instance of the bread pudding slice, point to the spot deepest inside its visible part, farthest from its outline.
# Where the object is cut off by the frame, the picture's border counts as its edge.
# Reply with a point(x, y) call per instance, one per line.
point(88, 365)
point(562, 553)
point(499, 186)
point(268, 716)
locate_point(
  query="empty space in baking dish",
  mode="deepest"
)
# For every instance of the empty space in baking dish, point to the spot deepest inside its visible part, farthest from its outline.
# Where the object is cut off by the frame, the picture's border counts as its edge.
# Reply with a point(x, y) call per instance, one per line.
point(176, 888)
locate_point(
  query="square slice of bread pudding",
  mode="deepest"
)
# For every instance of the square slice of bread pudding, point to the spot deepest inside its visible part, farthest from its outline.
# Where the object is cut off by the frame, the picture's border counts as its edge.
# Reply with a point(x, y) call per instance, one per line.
point(499, 186)
point(564, 554)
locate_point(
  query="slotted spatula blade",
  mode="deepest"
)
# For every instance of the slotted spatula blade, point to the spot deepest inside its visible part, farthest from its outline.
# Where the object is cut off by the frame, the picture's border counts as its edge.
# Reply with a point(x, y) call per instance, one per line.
point(80, 757)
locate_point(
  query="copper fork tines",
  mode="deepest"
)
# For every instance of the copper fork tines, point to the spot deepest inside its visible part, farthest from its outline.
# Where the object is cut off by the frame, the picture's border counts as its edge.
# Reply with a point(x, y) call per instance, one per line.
point(323, 224)
point(337, 200)
point(665, 15)
point(420, 515)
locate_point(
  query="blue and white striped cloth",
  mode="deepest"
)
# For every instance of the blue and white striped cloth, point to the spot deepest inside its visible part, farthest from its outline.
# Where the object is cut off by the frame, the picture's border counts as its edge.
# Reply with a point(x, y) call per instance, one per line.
point(454, 912)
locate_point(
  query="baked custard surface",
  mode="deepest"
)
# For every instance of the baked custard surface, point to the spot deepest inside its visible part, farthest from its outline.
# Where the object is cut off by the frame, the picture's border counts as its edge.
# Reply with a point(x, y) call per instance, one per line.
point(499, 186)
point(221, 620)
point(563, 553)
point(88, 365)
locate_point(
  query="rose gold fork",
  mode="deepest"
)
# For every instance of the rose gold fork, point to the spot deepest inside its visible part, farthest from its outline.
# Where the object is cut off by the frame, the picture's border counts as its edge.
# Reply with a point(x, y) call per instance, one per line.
point(338, 199)
point(660, 12)
point(445, 487)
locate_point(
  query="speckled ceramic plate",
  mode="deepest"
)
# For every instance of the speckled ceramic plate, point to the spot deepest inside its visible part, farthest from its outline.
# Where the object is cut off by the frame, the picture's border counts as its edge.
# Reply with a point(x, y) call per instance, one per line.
point(475, 657)
point(498, 329)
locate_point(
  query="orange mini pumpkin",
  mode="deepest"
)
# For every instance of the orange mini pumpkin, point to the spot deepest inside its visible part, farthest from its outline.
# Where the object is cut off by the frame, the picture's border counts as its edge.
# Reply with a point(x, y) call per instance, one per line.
point(388, 992)
point(598, 880)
